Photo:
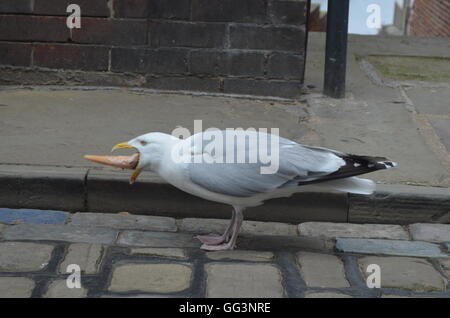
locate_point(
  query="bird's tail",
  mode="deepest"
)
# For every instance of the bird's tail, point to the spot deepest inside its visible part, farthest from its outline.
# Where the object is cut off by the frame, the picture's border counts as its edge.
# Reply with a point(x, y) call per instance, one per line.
point(352, 185)
point(345, 178)
point(356, 165)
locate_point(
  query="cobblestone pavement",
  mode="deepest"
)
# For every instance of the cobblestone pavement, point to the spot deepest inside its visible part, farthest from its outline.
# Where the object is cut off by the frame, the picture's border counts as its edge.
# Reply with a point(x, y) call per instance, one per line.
point(124, 255)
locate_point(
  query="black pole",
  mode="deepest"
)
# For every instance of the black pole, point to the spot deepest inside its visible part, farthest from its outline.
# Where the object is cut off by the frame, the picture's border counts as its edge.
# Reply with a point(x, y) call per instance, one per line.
point(336, 48)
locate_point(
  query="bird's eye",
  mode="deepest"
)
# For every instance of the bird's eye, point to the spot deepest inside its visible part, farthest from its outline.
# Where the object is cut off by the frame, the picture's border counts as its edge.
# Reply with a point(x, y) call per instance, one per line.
point(143, 142)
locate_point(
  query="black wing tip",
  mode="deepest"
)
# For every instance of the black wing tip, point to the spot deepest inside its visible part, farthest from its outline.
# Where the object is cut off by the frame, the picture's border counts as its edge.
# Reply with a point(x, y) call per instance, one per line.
point(354, 166)
point(375, 163)
point(387, 164)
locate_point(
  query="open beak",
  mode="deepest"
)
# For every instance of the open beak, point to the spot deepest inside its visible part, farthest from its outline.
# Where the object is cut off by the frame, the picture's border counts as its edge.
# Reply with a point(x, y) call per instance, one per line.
point(123, 162)
point(122, 145)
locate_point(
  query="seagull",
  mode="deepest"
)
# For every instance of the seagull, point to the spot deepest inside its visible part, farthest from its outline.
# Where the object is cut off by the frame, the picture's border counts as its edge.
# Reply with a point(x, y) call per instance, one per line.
point(233, 167)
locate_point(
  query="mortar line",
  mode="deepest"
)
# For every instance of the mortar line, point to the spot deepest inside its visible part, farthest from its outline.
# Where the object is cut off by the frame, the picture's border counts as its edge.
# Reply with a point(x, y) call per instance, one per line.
point(293, 284)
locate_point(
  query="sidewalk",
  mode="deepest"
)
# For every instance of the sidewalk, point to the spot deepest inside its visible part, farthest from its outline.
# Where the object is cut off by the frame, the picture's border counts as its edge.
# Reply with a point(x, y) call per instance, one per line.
point(144, 256)
point(407, 122)
point(45, 131)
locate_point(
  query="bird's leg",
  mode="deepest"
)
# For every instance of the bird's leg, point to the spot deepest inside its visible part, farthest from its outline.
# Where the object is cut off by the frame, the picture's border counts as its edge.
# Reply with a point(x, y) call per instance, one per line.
point(214, 239)
point(231, 243)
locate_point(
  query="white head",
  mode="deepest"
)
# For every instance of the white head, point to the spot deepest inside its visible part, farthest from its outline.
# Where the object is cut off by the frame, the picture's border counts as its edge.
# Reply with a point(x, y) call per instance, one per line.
point(151, 148)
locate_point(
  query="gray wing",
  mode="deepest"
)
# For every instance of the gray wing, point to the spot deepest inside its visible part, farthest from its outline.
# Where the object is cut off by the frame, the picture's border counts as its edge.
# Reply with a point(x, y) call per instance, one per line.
point(296, 163)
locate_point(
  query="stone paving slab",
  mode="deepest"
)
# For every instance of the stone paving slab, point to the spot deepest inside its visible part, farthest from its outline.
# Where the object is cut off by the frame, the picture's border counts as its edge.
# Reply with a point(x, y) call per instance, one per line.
point(241, 255)
point(120, 221)
point(157, 239)
point(58, 289)
point(16, 287)
point(440, 126)
point(333, 230)
point(158, 278)
point(171, 252)
point(24, 256)
point(389, 247)
point(15, 216)
point(139, 296)
point(284, 242)
point(58, 232)
point(322, 270)
point(243, 280)
point(406, 273)
point(87, 256)
point(206, 226)
point(430, 100)
point(408, 296)
point(430, 232)
point(326, 295)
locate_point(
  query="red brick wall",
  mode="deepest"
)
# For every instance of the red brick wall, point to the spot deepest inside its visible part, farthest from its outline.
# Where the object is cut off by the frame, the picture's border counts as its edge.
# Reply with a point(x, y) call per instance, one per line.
point(317, 23)
point(251, 47)
point(430, 18)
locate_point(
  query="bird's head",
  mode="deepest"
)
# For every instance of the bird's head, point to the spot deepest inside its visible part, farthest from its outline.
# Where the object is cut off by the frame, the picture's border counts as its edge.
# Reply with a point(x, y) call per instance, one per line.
point(149, 150)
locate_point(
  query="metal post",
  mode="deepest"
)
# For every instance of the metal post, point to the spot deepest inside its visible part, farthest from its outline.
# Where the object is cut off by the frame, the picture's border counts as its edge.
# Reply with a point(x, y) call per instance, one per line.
point(336, 48)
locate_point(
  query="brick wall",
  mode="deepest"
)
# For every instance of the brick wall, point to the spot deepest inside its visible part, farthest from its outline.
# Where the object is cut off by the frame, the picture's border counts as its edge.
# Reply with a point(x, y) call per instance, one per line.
point(252, 47)
point(430, 18)
point(317, 20)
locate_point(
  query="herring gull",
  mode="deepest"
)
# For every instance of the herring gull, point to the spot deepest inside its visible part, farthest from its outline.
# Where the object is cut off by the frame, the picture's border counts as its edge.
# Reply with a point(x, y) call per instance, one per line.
point(228, 167)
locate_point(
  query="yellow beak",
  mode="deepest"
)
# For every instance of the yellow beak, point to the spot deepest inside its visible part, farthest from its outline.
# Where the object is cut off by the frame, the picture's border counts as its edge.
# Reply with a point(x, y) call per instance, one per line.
point(135, 174)
point(137, 171)
point(122, 145)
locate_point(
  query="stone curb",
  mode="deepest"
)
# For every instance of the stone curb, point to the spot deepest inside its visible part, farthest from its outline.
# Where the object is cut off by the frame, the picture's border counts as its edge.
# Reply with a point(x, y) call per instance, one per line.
point(95, 190)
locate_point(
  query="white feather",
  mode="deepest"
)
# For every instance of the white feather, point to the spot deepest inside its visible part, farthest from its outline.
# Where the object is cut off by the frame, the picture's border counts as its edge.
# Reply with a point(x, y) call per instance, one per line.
point(352, 185)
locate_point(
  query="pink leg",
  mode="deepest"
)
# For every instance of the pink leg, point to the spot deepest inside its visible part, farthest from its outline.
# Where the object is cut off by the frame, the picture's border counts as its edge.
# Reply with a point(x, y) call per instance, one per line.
point(234, 234)
point(214, 239)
